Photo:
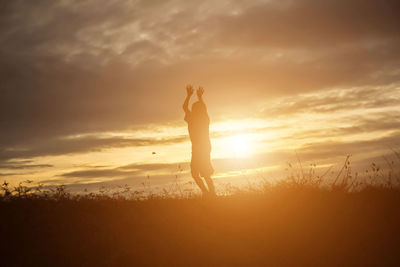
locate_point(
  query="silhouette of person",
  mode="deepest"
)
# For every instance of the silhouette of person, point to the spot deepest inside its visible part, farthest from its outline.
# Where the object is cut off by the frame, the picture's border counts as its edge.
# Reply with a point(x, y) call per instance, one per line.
point(198, 126)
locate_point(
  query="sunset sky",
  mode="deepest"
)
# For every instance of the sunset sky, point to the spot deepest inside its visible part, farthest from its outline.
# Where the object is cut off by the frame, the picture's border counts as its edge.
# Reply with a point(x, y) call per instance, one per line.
point(90, 89)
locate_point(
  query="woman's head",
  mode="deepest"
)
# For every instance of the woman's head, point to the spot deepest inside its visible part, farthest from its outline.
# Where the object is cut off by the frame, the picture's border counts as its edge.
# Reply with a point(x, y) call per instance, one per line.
point(199, 108)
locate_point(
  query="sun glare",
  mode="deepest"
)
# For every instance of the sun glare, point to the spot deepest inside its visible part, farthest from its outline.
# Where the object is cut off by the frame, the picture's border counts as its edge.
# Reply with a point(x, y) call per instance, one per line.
point(239, 145)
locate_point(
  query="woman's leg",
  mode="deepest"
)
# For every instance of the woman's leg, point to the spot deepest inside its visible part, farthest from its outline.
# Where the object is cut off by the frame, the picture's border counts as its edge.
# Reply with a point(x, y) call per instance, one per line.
point(199, 181)
point(210, 184)
point(200, 184)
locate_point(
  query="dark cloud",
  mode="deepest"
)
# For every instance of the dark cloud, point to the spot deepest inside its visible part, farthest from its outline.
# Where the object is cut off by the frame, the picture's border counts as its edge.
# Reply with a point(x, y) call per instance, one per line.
point(131, 170)
point(360, 126)
point(62, 146)
point(24, 166)
point(337, 101)
point(21, 167)
point(9, 174)
point(331, 149)
point(109, 173)
point(153, 167)
point(311, 23)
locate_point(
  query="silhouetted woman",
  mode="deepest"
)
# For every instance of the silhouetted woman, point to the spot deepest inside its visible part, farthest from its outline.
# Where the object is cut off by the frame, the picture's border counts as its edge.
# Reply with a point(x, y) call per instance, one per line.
point(198, 125)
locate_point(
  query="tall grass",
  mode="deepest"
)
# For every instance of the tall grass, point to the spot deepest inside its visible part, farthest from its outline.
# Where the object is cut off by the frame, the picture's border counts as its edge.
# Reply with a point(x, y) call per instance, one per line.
point(346, 179)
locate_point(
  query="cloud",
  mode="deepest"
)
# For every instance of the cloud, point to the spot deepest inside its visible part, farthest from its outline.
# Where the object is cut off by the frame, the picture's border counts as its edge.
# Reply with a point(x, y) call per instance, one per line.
point(24, 166)
point(361, 125)
point(21, 168)
point(110, 173)
point(310, 24)
point(336, 100)
point(325, 150)
point(93, 143)
point(72, 67)
point(131, 170)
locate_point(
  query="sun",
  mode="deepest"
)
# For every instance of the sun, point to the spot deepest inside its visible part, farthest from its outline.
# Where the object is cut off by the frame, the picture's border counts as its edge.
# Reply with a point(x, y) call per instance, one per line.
point(239, 145)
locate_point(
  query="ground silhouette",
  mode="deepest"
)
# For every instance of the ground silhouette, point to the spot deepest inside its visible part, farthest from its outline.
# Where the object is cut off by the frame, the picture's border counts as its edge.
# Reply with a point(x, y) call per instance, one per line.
point(283, 225)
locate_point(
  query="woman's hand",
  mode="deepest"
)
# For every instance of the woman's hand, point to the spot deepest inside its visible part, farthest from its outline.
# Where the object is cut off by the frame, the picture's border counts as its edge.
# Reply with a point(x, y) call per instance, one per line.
point(189, 90)
point(200, 92)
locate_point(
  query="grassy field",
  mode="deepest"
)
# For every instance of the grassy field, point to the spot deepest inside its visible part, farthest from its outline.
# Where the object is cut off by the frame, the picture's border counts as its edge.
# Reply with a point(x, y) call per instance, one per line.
point(297, 222)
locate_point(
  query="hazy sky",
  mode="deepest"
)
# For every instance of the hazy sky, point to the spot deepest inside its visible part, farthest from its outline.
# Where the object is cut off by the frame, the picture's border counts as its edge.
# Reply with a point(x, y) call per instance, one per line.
point(89, 89)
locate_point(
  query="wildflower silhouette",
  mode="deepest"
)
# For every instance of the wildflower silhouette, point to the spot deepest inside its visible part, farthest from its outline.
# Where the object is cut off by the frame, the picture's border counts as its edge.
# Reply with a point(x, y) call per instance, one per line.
point(198, 126)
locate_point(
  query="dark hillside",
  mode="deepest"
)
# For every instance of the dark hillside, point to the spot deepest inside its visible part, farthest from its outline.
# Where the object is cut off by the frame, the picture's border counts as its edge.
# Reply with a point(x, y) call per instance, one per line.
point(284, 226)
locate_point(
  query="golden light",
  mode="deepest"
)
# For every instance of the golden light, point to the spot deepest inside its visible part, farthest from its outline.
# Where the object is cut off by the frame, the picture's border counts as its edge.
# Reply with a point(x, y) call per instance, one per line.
point(239, 145)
